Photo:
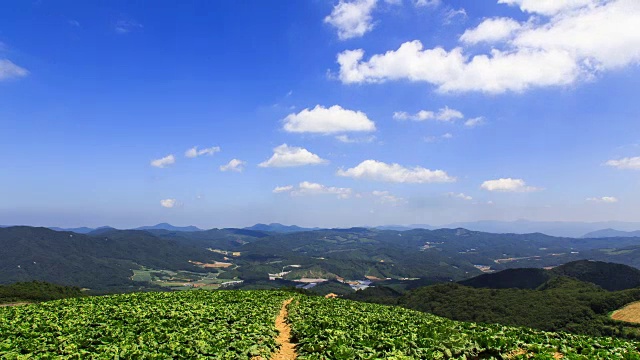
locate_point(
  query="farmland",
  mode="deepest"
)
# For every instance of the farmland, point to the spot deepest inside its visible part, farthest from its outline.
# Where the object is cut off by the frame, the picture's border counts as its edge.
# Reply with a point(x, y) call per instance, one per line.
point(242, 325)
point(188, 324)
point(340, 329)
point(630, 313)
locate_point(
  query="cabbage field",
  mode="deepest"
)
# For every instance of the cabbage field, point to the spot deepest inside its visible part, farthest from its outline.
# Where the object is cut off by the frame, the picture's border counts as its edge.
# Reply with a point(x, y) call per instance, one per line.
point(186, 325)
point(241, 325)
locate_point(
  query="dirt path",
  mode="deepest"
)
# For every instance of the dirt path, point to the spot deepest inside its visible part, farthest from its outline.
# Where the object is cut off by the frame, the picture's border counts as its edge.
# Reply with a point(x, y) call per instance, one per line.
point(287, 350)
point(14, 304)
point(629, 313)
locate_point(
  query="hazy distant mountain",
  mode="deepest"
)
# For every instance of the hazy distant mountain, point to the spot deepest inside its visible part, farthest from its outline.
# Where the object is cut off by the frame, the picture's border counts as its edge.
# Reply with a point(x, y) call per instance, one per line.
point(79, 230)
point(165, 226)
point(553, 228)
point(276, 227)
point(605, 233)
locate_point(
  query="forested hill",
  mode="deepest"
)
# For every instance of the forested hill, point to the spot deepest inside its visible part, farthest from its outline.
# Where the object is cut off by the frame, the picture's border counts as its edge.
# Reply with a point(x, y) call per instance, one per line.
point(105, 258)
point(96, 262)
point(608, 276)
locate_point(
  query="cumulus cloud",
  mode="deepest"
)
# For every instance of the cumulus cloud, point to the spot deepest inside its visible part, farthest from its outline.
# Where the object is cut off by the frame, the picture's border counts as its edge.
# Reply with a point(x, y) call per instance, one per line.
point(491, 30)
point(380, 171)
point(9, 70)
point(604, 199)
point(164, 162)
point(352, 18)
point(459, 196)
point(473, 122)
point(233, 165)
point(288, 156)
point(628, 163)
point(579, 41)
point(194, 152)
point(508, 185)
point(168, 203)
point(306, 188)
point(334, 119)
point(445, 114)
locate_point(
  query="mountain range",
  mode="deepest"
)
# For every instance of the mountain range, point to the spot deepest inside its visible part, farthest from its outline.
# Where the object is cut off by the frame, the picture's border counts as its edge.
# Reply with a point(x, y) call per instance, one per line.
point(553, 228)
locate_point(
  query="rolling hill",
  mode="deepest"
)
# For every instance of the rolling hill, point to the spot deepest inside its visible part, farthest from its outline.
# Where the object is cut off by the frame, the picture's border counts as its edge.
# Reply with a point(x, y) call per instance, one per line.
point(97, 262)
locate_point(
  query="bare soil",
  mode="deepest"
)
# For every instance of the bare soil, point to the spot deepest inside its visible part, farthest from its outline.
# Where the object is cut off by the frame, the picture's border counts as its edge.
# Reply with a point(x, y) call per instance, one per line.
point(629, 313)
point(287, 349)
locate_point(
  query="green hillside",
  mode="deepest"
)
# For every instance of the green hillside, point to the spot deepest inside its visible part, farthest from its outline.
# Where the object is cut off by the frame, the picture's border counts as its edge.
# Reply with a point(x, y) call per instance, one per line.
point(241, 325)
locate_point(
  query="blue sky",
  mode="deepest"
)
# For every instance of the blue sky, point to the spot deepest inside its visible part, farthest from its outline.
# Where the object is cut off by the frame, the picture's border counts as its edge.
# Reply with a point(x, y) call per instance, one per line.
point(318, 113)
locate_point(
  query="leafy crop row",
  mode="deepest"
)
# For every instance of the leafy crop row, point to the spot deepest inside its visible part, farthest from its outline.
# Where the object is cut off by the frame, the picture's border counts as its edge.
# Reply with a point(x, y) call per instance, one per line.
point(340, 329)
point(188, 325)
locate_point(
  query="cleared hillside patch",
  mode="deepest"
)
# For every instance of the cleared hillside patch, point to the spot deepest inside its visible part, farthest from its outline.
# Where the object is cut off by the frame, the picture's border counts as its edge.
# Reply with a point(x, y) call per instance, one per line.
point(629, 313)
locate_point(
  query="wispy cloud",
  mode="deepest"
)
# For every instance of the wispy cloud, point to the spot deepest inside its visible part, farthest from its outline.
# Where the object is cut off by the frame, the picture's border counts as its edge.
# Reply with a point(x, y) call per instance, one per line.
point(164, 162)
point(195, 152)
point(9, 70)
point(126, 26)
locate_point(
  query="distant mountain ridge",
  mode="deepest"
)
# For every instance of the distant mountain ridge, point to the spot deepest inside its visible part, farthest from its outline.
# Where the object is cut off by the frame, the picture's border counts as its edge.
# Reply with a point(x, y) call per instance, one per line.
point(277, 227)
point(574, 229)
point(167, 226)
point(605, 233)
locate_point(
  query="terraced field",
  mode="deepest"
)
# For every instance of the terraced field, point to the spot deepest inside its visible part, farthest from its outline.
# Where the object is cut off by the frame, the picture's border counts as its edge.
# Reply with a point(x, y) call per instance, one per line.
point(244, 325)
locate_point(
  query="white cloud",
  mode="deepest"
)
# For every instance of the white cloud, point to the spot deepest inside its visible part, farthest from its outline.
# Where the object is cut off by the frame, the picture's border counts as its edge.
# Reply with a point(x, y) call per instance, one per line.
point(168, 203)
point(385, 197)
point(460, 196)
point(380, 171)
point(477, 121)
point(549, 7)
point(233, 165)
point(604, 199)
point(445, 114)
point(352, 18)
point(287, 156)
point(349, 140)
point(164, 162)
point(194, 152)
point(628, 163)
point(330, 120)
point(281, 189)
point(567, 47)
point(307, 188)
point(491, 30)
point(9, 70)
point(453, 72)
point(508, 185)
point(427, 3)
